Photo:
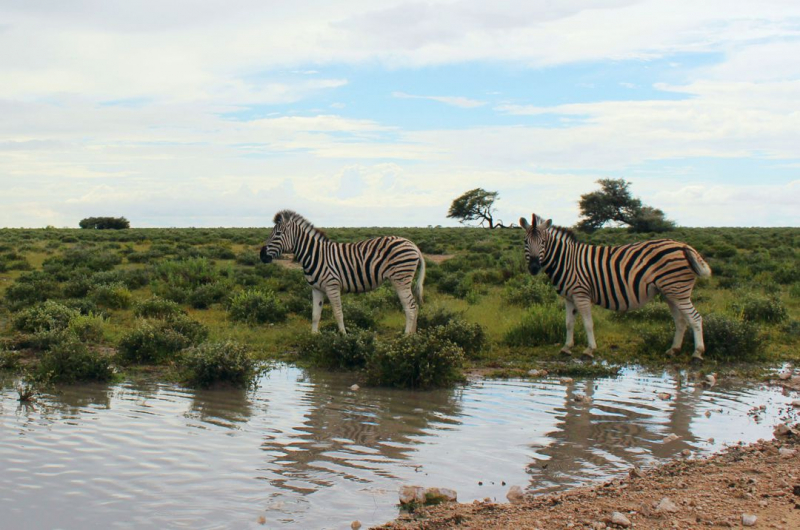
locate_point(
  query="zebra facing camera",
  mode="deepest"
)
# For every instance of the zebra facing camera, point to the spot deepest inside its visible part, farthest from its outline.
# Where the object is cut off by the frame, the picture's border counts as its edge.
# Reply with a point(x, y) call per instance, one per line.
point(264, 256)
point(534, 266)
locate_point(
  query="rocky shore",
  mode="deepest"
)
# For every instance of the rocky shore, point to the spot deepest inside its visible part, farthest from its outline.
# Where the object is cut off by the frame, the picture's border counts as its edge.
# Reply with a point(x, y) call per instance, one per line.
point(755, 485)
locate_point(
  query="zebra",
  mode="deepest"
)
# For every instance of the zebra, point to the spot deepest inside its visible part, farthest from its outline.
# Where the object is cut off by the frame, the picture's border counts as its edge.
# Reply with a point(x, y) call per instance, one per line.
point(331, 267)
point(619, 278)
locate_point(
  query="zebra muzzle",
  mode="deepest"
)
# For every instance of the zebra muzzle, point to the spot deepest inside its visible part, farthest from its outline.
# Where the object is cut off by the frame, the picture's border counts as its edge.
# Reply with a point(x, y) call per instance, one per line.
point(264, 256)
point(534, 266)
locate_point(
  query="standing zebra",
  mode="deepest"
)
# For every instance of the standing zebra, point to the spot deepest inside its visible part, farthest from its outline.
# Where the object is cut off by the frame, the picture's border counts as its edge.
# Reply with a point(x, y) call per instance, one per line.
point(620, 278)
point(331, 268)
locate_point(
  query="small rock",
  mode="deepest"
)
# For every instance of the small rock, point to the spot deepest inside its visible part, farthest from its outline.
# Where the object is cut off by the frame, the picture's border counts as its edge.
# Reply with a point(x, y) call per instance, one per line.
point(711, 380)
point(599, 526)
point(412, 494)
point(355, 525)
point(354, 388)
point(515, 495)
point(785, 452)
point(582, 398)
point(537, 373)
point(749, 520)
point(666, 506)
point(782, 430)
point(785, 374)
point(686, 452)
point(671, 438)
point(708, 414)
point(664, 395)
point(565, 380)
point(635, 472)
point(620, 520)
point(710, 440)
point(796, 403)
point(262, 520)
point(438, 495)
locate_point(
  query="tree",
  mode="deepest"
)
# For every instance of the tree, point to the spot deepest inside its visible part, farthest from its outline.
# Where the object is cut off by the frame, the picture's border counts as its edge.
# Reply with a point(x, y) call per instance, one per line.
point(477, 204)
point(104, 223)
point(613, 202)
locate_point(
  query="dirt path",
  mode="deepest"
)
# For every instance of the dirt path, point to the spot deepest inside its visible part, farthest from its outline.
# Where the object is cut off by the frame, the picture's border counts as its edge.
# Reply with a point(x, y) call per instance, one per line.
point(761, 479)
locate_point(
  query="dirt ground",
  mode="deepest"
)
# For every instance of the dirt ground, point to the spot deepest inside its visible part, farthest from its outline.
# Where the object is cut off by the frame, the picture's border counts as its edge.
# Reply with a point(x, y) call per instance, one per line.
point(762, 479)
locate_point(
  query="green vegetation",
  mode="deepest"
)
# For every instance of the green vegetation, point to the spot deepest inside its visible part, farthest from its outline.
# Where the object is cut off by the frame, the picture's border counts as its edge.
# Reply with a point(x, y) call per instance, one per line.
point(219, 363)
point(75, 303)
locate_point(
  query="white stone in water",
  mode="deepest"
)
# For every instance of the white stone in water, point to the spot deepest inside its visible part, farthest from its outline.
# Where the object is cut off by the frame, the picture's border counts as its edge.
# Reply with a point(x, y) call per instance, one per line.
point(666, 506)
point(664, 395)
point(748, 519)
point(671, 438)
point(565, 380)
point(796, 403)
point(620, 520)
point(785, 374)
point(711, 380)
point(515, 495)
point(412, 494)
point(354, 388)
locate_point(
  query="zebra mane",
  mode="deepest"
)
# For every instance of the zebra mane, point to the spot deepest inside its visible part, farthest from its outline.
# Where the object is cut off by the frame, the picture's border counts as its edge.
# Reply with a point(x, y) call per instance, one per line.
point(564, 233)
point(305, 224)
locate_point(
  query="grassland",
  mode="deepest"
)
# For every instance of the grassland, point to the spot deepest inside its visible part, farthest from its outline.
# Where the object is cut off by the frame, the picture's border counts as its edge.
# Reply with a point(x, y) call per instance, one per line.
point(118, 284)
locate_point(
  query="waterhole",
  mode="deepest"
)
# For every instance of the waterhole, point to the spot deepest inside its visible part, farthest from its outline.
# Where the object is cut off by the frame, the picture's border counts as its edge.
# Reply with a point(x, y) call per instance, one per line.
point(305, 451)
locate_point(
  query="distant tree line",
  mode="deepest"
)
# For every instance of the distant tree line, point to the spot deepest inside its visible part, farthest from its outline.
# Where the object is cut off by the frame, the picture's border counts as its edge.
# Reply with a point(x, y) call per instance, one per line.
point(104, 223)
point(612, 203)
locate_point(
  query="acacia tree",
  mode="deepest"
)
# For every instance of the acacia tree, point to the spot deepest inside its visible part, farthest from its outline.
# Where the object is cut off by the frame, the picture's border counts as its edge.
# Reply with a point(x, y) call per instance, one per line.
point(474, 205)
point(105, 223)
point(613, 202)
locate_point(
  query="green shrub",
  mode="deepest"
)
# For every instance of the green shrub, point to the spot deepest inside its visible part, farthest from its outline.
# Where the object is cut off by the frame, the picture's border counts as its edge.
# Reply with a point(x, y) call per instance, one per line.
point(543, 324)
point(187, 274)
point(651, 312)
point(731, 339)
point(754, 308)
point(334, 351)
point(70, 361)
point(48, 316)
point(449, 325)
point(158, 341)
point(256, 307)
point(527, 290)
point(215, 363)
point(417, 361)
point(30, 289)
point(88, 328)
point(205, 295)
point(112, 296)
point(156, 307)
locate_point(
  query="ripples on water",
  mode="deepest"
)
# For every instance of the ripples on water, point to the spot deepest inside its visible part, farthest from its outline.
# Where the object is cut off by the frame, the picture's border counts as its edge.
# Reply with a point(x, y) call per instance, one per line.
point(303, 451)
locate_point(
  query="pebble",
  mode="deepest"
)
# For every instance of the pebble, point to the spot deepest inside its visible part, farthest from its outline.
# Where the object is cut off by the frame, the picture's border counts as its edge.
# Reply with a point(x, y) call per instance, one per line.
point(565, 380)
point(686, 452)
point(262, 519)
point(599, 526)
point(515, 495)
point(796, 403)
point(749, 520)
point(785, 452)
point(436, 495)
point(671, 438)
point(666, 506)
point(537, 373)
point(620, 520)
point(711, 380)
point(412, 494)
point(355, 525)
point(708, 414)
point(785, 374)
point(782, 430)
point(582, 398)
point(354, 388)
point(664, 395)
point(635, 472)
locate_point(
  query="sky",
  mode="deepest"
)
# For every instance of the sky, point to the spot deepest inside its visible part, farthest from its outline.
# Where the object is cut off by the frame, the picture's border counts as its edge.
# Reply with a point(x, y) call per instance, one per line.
point(380, 113)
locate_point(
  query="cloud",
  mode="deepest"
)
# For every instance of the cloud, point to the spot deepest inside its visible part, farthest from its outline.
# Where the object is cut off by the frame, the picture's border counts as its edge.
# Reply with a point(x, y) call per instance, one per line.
point(455, 101)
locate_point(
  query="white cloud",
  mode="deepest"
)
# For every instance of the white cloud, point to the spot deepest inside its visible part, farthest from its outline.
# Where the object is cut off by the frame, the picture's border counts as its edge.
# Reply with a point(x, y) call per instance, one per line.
point(455, 101)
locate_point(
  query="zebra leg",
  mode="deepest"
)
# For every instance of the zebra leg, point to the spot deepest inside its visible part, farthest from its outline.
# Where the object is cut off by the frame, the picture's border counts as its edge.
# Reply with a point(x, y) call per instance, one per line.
point(335, 298)
point(680, 328)
point(567, 349)
point(410, 307)
point(317, 297)
point(585, 309)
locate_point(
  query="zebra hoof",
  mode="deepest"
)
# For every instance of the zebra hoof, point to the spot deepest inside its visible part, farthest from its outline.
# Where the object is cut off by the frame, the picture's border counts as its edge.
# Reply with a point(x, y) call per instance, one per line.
point(588, 355)
point(696, 360)
point(672, 351)
point(566, 352)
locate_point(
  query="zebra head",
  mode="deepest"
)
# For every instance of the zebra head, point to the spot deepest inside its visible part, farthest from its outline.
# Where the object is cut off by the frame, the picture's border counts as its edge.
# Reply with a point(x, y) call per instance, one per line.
point(279, 240)
point(535, 241)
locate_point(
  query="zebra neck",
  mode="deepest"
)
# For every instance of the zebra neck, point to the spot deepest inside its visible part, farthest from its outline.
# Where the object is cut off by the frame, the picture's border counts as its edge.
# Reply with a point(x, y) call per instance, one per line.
point(558, 252)
point(308, 247)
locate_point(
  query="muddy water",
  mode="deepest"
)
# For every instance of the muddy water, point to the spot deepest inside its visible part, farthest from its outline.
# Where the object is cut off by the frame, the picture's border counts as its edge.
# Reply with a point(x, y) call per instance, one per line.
point(304, 451)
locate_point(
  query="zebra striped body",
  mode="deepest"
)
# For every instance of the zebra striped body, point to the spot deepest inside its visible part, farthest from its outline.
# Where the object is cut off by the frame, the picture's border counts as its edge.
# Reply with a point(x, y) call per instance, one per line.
point(332, 268)
point(619, 278)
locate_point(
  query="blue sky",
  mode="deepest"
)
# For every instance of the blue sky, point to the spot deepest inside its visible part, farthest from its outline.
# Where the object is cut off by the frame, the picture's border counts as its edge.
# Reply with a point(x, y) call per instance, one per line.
point(363, 113)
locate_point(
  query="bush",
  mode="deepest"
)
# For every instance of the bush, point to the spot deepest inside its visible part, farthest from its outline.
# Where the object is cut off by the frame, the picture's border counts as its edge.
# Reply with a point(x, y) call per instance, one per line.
point(732, 339)
point(158, 341)
point(70, 361)
point(205, 295)
point(156, 307)
point(334, 351)
point(256, 307)
point(30, 289)
point(529, 290)
point(543, 324)
point(448, 325)
point(112, 296)
point(219, 363)
point(651, 312)
point(761, 309)
point(104, 223)
point(49, 316)
point(88, 328)
point(417, 361)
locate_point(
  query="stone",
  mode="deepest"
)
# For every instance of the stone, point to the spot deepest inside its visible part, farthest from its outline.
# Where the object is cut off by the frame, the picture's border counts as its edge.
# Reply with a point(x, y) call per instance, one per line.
point(354, 388)
point(412, 495)
point(785, 452)
point(620, 520)
point(664, 395)
point(796, 403)
point(665, 505)
point(711, 380)
point(686, 452)
point(515, 495)
point(582, 398)
point(537, 373)
point(708, 414)
point(599, 526)
point(748, 519)
point(355, 525)
point(439, 495)
point(785, 374)
point(565, 380)
point(671, 438)
point(783, 430)
point(635, 472)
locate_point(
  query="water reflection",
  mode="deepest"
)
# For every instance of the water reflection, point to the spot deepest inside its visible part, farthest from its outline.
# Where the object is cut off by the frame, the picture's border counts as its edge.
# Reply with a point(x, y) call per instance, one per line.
point(305, 451)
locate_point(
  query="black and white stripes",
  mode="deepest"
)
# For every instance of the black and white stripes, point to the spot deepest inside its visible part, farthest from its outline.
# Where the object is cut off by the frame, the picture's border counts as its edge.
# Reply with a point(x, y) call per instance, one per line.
point(332, 267)
point(619, 278)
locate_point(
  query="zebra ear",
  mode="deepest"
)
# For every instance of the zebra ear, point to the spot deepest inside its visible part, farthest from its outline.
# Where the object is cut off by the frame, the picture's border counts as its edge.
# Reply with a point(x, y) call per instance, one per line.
point(548, 224)
point(523, 223)
point(278, 218)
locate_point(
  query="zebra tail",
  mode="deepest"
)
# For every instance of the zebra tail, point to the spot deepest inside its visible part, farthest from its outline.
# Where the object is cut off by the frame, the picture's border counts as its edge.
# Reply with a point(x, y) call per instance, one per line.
point(420, 278)
point(696, 261)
